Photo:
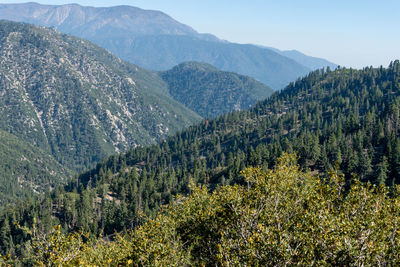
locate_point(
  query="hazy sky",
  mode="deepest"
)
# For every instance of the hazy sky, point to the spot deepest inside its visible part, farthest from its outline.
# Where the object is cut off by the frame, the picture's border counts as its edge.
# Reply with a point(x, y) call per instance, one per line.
point(353, 33)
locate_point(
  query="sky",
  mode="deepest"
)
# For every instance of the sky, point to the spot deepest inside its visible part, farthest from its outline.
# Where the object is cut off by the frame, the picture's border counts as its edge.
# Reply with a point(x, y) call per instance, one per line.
point(351, 33)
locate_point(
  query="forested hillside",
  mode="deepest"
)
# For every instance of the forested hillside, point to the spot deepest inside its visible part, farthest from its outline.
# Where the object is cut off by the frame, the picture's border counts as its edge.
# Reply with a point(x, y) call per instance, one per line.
point(77, 102)
point(281, 216)
point(211, 92)
point(26, 170)
point(344, 119)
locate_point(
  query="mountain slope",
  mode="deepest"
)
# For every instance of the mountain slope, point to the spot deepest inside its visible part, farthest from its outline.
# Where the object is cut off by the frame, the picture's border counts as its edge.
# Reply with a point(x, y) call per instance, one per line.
point(349, 118)
point(77, 101)
point(154, 40)
point(25, 169)
point(161, 52)
point(308, 61)
point(211, 92)
point(344, 119)
point(77, 20)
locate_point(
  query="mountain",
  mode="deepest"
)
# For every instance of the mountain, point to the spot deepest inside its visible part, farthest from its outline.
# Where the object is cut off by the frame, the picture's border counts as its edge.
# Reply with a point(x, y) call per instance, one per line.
point(211, 92)
point(26, 169)
point(114, 22)
point(77, 101)
point(308, 61)
point(344, 120)
point(154, 40)
point(161, 52)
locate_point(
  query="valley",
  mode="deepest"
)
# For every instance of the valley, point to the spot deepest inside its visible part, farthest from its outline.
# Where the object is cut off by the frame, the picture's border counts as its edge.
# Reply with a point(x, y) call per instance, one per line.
point(128, 138)
point(329, 119)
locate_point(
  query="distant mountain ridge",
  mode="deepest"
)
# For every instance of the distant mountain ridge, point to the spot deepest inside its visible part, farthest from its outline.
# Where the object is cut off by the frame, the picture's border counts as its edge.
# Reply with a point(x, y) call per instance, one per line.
point(153, 40)
point(162, 52)
point(308, 61)
point(91, 21)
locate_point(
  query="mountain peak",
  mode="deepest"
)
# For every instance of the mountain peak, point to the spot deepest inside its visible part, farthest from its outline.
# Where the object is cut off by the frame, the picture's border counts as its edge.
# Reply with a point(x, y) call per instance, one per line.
point(76, 19)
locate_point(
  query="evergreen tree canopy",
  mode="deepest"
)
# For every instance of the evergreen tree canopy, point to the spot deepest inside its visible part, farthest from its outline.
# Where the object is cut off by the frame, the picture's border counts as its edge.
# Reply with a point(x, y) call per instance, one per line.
point(344, 119)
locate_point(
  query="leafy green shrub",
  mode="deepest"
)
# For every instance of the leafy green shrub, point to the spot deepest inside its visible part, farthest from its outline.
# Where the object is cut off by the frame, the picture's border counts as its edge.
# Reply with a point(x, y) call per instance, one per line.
point(283, 216)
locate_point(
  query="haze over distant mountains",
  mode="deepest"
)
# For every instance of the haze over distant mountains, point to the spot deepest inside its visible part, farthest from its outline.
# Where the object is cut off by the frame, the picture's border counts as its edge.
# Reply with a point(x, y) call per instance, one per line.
point(153, 40)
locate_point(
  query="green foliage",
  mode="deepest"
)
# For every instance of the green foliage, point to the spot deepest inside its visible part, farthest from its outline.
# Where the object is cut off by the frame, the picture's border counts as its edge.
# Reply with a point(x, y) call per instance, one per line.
point(25, 169)
point(76, 102)
point(211, 92)
point(344, 119)
point(281, 217)
point(57, 248)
